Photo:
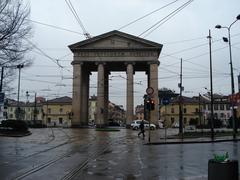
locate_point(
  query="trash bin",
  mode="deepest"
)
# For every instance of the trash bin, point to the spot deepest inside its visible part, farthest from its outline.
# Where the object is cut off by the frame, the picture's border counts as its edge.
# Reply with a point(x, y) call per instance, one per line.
point(226, 170)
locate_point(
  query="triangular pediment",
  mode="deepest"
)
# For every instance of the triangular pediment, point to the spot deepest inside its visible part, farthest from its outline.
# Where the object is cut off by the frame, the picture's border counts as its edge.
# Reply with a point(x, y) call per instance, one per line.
point(115, 40)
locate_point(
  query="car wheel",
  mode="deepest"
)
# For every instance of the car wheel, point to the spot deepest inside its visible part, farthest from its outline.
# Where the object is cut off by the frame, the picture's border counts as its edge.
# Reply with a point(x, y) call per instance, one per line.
point(152, 128)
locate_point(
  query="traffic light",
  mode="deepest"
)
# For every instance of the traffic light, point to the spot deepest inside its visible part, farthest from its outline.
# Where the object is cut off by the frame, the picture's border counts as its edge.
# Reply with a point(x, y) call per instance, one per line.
point(150, 105)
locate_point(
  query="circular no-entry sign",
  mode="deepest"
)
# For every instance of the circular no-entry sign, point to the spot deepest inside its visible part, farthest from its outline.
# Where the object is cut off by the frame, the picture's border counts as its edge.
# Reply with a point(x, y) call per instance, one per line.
point(149, 90)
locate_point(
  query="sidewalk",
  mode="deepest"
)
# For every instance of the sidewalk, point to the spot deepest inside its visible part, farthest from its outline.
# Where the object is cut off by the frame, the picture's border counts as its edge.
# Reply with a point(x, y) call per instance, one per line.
point(157, 139)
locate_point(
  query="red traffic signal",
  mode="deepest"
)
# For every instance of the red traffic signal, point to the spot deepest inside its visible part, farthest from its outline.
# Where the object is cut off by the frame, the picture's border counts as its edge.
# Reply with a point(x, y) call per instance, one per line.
point(150, 105)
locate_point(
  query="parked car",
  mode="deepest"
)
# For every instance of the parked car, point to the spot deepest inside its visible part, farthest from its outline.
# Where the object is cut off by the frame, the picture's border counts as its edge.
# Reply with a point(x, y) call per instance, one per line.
point(136, 123)
point(175, 125)
point(160, 124)
point(190, 128)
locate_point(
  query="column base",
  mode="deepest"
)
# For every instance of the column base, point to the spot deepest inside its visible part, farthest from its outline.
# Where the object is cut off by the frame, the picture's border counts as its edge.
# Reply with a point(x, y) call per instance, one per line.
point(128, 126)
point(79, 125)
point(101, 125)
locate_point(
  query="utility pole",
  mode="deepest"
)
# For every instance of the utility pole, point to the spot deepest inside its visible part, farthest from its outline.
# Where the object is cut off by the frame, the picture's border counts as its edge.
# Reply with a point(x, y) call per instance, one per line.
point(20, 66)
point(180, 104)
point(35, 108)
point(200, 111)
point(211, 85)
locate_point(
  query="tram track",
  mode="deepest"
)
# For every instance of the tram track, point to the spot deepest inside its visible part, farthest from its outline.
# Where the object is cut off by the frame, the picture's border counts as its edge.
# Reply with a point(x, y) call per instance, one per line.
point(75, 170)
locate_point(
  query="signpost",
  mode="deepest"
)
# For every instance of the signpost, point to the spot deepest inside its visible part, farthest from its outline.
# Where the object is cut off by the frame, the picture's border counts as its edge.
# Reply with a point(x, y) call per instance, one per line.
point(150, 106)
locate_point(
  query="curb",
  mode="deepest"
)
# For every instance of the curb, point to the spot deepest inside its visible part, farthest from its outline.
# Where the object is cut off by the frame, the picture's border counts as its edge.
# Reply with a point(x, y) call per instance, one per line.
point(192, 142)
point(16, 135)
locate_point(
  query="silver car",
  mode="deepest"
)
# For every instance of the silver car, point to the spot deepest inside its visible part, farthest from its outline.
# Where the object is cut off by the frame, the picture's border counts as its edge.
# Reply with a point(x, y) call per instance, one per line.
point(136, 123)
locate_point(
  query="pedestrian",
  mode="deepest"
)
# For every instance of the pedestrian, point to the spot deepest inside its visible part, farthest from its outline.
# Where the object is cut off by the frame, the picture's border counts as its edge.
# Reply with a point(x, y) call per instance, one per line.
point(141, 126)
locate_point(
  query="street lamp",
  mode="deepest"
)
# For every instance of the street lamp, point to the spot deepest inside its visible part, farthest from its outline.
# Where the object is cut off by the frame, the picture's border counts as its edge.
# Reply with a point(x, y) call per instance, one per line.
point(231, 66)
point(19, 66)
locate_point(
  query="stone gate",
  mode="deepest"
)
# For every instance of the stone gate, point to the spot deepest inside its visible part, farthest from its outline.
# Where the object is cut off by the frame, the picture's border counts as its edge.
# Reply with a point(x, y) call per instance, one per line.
point(112, 51)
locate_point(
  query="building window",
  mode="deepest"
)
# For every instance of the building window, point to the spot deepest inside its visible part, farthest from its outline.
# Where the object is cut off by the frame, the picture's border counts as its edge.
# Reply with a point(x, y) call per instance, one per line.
point(204, 106)
point(11, 115)
point(49, 120)
point(185, 120)
point(60, 120)
point(172, 119)
point(11, 109)
point(196, 110)
point(222, 115)
point(228, 107)
point(60, 110)
point(172, 110)
point(49, 111)
point(221, 107)
point(228, 115)
point(209, 107)
point(215, 106)
point(185, 110)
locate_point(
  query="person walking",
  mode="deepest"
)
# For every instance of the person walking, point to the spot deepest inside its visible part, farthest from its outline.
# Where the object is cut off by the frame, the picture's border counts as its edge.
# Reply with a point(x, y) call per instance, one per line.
point(141, 126)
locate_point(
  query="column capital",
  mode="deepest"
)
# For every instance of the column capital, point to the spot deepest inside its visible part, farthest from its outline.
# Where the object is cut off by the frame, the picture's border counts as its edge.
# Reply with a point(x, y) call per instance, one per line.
point(130, 62)
point(77, 62)
point(103, 63)
point(154, 62)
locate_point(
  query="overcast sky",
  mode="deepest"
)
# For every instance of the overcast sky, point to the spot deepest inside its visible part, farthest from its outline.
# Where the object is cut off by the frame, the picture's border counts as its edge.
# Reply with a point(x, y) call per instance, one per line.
point(182, 36)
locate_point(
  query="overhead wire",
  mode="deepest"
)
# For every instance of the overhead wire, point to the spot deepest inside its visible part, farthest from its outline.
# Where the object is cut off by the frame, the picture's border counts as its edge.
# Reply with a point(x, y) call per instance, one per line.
point(55, 27)
point(72, 9)
point(146, 15)
point(166, 18)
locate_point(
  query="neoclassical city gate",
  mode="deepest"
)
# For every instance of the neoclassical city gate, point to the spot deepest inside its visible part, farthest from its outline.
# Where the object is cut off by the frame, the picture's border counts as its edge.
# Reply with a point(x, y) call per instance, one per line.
point(112, 51)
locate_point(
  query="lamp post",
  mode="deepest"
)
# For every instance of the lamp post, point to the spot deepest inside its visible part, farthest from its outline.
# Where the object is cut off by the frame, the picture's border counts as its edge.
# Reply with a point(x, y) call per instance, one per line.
point(211, 85)
point(20, 66)
point(231, 66)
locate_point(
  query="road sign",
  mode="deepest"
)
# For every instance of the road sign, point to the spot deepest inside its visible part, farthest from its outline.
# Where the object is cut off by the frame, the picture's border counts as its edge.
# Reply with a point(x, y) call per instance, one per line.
point(149, 90)
point(165, 101)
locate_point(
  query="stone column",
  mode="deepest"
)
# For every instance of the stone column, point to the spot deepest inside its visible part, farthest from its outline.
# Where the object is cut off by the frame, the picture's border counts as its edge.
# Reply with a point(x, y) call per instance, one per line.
point(85, 97)
point(153, 82)
point(129, 100)
point(106, 95)
point(77, 95)
point(100, 96)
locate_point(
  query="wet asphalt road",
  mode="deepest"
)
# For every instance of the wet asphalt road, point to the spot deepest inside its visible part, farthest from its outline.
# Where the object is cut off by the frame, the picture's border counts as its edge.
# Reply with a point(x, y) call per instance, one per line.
point(88, 154)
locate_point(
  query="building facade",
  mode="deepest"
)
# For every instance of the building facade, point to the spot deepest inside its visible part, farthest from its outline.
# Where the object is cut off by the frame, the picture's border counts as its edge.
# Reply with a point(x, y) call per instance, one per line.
point(170, 112)
point(221, 108)
point(28, 111)
point(58, 112)
point(139, 112)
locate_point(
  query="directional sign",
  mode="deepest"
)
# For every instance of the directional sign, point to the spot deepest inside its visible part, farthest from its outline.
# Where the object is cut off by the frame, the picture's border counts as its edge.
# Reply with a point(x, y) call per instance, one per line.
point(165, 101)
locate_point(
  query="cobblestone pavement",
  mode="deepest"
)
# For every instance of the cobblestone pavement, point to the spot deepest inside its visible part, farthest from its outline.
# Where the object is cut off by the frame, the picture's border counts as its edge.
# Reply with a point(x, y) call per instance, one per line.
point(56, 153)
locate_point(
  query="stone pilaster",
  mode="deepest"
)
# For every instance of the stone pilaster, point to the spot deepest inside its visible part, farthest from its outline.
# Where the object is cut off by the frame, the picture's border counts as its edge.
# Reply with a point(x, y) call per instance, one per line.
point(130, 98)
point(100, 96)
point(77, 94)
point(106, 95)
point(153, 82)
point(85, 97)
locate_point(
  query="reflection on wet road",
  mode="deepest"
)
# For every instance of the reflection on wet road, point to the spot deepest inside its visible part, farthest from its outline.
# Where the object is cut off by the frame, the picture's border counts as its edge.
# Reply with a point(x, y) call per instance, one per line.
point(88, 154)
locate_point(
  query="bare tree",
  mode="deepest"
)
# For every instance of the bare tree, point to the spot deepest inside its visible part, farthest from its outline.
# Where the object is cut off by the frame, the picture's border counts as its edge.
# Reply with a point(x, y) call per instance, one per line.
point(14, 30)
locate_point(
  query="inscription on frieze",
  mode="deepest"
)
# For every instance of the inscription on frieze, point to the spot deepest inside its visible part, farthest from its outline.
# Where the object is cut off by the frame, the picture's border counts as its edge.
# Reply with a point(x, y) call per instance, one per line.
point(117, 54)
